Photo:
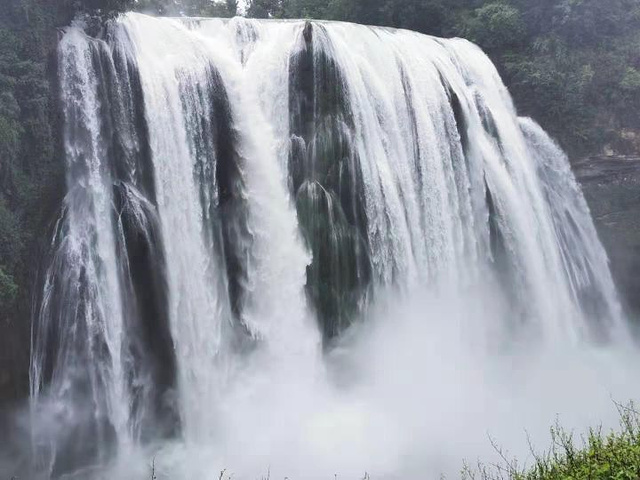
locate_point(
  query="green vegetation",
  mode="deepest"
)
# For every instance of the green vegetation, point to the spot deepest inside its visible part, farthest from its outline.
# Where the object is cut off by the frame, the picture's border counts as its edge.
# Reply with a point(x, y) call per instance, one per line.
point(615, 456)
point(29, 173)
point(189, 8)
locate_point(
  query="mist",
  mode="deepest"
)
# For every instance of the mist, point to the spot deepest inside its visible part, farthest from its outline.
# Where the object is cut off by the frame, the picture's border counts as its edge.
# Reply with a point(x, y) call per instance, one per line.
point(413, 391)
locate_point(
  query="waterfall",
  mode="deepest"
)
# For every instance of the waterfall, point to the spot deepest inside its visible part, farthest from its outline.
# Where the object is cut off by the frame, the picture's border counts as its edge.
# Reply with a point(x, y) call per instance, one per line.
point(247, 201)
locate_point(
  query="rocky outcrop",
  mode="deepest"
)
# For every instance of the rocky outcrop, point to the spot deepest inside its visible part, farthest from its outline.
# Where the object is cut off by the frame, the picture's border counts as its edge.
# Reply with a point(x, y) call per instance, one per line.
point(611, 186)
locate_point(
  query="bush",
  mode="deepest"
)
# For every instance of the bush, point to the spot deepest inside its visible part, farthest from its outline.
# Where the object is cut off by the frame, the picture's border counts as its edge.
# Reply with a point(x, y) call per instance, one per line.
point(599, 457)
point(497, 26)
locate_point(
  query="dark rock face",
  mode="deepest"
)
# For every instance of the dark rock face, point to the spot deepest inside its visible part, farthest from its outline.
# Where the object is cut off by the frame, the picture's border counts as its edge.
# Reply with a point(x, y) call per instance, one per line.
point(611, 186)
point(327, 184)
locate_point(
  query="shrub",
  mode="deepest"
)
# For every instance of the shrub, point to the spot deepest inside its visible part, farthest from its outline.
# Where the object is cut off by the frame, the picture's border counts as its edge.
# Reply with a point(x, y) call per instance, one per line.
point(599, 456)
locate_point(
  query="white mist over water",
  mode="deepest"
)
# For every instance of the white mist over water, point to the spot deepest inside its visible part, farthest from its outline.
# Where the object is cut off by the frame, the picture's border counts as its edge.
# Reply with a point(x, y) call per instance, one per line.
point(491, 307)
point(412, 397)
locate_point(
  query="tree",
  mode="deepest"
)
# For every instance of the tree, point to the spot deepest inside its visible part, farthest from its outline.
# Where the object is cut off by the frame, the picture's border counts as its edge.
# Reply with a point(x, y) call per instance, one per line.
point(496, 26)
point(265, 9)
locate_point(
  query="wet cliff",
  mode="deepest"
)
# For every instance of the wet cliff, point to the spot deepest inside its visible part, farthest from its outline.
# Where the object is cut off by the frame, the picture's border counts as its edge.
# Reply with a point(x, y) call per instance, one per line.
point(611, 186)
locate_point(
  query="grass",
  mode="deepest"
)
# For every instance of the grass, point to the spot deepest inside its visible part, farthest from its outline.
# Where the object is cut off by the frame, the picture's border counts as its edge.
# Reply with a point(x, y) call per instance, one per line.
point(596, 456)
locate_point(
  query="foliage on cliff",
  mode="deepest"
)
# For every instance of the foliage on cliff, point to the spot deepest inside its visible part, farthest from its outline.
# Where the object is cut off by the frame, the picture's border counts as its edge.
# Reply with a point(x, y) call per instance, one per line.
point(27, 171)
point(189, 8)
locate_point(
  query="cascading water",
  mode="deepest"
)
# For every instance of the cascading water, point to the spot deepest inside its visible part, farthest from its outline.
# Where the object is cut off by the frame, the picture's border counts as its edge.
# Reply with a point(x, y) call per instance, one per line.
point(271, 232)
